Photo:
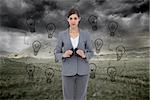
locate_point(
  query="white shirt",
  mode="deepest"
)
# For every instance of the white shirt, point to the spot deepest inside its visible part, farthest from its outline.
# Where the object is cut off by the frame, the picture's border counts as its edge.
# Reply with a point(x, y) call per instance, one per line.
point(75, 42)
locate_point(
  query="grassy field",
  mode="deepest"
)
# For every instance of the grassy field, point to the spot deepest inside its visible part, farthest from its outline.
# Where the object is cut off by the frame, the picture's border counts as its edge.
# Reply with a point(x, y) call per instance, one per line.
point(131, 81)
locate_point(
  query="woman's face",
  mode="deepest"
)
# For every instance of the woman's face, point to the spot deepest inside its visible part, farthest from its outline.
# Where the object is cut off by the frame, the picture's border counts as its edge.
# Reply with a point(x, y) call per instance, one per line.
point(73, 20)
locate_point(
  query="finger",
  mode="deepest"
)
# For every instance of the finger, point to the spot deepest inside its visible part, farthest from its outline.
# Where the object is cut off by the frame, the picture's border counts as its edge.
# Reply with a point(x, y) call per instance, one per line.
point(70, 52)
point(78, 52)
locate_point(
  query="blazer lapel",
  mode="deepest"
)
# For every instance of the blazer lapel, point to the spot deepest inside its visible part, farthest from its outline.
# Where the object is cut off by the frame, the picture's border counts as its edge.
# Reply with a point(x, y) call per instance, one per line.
point(68, 39)
point(80, 38)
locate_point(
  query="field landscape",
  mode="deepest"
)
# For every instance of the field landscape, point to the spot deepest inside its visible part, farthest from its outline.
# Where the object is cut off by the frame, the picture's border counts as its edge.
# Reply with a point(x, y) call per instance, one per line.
point(131, 81)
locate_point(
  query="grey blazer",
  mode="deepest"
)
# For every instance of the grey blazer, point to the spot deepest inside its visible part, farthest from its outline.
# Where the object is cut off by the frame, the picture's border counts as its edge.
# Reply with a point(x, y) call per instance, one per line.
point(75, 64)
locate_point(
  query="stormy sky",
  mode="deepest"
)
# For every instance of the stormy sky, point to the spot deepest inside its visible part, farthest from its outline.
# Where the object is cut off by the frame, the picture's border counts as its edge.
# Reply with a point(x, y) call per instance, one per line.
point(132, 17)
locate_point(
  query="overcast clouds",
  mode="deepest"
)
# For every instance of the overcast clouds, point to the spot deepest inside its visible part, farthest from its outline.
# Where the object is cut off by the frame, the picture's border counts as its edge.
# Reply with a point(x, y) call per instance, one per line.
point(13, 13)
point(131, 15)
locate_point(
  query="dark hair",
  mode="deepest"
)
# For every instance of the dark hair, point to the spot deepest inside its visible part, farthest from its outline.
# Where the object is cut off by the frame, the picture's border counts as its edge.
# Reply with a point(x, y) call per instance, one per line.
point(73, 11)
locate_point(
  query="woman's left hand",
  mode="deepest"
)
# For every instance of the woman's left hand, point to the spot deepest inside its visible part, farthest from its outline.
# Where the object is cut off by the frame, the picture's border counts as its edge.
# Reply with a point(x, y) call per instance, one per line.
point(81, 53)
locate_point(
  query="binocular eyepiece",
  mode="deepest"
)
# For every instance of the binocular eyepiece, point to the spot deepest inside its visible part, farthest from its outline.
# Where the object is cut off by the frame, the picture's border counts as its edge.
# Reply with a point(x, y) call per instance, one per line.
point(74, 51)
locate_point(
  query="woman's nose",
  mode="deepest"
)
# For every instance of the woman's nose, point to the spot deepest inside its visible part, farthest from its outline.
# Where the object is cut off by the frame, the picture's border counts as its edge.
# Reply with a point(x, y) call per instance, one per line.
point(74, 20)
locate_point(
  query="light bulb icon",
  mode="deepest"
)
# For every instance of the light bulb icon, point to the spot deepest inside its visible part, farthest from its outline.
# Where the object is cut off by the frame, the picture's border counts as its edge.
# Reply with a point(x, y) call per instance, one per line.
point(93, 68)
point(112, 26)
point(93, 22)
point(120, 50)
point(36, 47)
point(31, 24)
point(98, 45)
point(50, 29)
point(112, 72)
point(49, 73)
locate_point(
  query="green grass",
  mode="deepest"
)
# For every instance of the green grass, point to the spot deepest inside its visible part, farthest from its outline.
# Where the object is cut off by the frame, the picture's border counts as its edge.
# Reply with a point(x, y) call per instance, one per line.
point(131, 81)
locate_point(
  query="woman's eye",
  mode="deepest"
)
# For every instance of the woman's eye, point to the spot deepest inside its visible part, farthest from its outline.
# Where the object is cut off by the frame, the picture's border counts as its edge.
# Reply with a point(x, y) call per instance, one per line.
point(75, 18)
point(70, 18)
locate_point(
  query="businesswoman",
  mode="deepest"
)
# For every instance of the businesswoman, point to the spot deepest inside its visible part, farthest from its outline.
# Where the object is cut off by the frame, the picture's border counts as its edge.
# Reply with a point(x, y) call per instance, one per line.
point(74, 50)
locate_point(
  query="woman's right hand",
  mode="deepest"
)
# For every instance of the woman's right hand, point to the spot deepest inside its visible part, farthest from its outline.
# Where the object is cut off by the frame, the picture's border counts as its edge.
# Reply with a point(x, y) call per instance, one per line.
point(67, 53)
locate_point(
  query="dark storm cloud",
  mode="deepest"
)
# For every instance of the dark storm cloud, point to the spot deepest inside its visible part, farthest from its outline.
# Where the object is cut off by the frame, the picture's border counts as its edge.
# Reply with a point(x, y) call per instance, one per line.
point(130, 8)
point(132, 17)
point(100, 2)
point(39, 7)
point(14, 12)
point(133, 1)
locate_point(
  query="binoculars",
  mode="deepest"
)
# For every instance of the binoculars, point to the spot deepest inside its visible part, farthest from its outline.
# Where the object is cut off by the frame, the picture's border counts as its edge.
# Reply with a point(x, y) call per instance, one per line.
point(74, 51)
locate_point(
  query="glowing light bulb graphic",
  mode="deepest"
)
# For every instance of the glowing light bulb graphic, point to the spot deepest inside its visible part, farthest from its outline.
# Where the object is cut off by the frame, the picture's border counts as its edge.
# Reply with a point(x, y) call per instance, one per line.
point(112, 26)
point(93, 22)
point(31, 24)
point(36, 47)
point(50, 29)
point(120, 50)
point(98, 44)
point(111, 72)
point(93, 68)
point(49, 73)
